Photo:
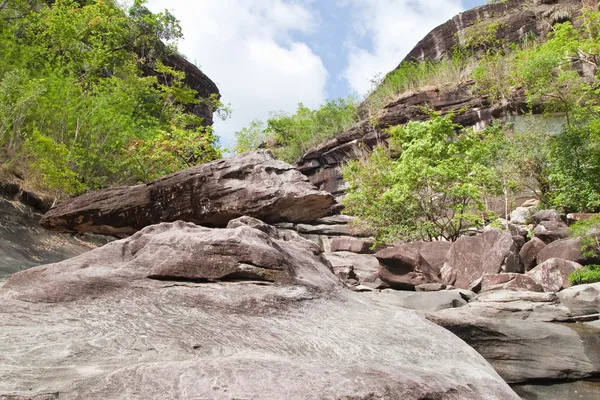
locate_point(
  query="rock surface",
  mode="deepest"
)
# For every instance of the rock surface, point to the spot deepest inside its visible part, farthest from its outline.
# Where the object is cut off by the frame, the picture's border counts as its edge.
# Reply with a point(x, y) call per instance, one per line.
point(24, 244)
point(516, 282)
point(553, 275)
point(566, 249)
point(364, 267)
point(402, 267)
point(530, 251)
point(527, 351)
point(582, 299)
point(112, 332)
point(472, 257)
point(253, 184)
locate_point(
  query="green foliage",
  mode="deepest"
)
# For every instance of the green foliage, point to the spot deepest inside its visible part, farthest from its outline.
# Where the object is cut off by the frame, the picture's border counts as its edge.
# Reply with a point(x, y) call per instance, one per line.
point(77, 113)
point(588, 232)
point(482, 36)
point(415, 76)
point(436, 188)
point(250, 138)
point(296, 133)
point(588, 274)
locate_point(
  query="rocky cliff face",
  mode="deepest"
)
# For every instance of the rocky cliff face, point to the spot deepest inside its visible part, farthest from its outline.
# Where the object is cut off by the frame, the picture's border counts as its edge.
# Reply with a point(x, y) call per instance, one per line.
point(514, 20)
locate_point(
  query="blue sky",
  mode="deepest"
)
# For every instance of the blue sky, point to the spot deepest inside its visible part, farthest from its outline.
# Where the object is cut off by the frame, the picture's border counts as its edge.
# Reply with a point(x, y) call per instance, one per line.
point(269, 55)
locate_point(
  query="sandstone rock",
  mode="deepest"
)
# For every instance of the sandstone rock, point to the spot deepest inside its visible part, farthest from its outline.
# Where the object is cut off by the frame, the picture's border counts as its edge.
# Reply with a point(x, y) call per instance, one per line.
point(24, 244)
point(422, 301)
point(582, 299)
point(526, 351)
point(533, 306)
point(580, 390)
point(530, 251)
point(522, 215)
point(433, 252)
point(531, 203)
point(402, 267)
point(566, 249)
point(351, 244)
point(365, 268)
point(112, 332)
point(472, 257)
point(430, 287)
point(176, 252)
point(510, 281)
point(576, 217)
point(212, 194)
point(551, 231)
point(546, 216)
point(553, 274)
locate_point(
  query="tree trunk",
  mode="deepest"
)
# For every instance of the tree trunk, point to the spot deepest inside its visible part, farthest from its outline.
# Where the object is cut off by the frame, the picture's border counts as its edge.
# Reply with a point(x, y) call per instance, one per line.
point(3, 4)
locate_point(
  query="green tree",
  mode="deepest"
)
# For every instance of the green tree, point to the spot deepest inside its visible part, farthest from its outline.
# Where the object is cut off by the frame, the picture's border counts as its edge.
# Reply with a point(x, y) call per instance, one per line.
point(250, 138)
point(435, 189)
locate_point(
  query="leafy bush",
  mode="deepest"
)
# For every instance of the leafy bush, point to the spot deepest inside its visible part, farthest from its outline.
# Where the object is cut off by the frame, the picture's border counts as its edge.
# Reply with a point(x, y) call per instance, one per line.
point(297, 133)
point(77, 113)
point(435, 189)
point(588, 274)
point(588, 232)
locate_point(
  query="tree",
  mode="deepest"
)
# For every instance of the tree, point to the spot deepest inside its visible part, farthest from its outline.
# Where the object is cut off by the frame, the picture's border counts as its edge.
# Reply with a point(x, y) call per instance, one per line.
point(250, 138)
point(435, 189)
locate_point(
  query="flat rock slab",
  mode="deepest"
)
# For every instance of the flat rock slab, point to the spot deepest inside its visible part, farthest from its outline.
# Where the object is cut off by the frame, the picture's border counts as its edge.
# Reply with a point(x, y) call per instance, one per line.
point(236, 341)
point(212, 194)
point(528, 351)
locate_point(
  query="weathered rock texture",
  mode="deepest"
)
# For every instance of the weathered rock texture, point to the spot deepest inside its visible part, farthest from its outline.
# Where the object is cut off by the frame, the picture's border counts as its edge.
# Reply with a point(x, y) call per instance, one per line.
point(553, 274)
point(515, 19)
point(113, 332)
point(24, 244)
point(472, 257)
point(212, 194)
point(402, 267)
point(523, 351)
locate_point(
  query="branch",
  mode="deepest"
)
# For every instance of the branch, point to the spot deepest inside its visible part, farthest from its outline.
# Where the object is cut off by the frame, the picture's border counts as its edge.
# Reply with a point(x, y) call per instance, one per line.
point(3, 4)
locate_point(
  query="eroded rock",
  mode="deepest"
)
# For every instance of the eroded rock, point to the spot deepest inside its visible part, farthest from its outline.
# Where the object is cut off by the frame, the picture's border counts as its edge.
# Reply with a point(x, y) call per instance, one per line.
point(212, 194)
point(553, 275)
point(472, 257)
point(402, 267)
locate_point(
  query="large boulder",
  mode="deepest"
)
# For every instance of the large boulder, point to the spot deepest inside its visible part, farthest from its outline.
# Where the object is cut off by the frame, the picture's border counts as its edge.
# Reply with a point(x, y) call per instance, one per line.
point(582, 299)
point(510, 281)
point(352, 244)
point(472, 257)
point(530, 251)
point(433, 252)
point(522, 215)
point(527, 351)
point(553, 275)
point(212, 194)
point(364, 267)
point(533, 306)
point(181, 311)
point(551, 231)
point(566, 249)
point(402, 267)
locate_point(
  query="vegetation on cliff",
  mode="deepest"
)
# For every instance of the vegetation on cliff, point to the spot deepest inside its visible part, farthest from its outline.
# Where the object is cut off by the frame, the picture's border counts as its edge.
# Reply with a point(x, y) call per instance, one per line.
point(76, 110)
point(560, 77)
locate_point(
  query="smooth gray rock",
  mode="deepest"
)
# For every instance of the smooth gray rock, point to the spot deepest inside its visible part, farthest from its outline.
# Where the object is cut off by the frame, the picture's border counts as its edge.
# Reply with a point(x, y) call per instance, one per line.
point(532, 306)
point(472, 257)
point(546, 215)
point(522, 215)
point(527, 351)
point(352, 244)
point(365, 267)
point(422, 301)
point(582, 299)
point(97, 327)
point(581, 390)
point(25, 244)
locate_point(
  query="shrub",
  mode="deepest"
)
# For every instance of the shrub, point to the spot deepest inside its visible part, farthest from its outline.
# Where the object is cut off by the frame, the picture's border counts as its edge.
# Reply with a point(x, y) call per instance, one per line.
point(588, 274)
point(435, 189)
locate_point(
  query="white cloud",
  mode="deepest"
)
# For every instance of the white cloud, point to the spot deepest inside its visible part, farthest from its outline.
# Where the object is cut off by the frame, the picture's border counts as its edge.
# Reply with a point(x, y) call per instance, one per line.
point(393, 27)
point(244, 46)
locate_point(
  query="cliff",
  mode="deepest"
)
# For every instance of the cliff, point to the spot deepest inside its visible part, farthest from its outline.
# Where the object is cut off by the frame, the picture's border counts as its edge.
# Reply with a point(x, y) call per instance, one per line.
point(512, 20)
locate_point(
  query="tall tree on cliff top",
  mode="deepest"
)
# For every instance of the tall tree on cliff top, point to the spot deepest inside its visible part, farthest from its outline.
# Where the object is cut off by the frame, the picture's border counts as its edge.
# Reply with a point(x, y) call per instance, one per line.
point(76, 112)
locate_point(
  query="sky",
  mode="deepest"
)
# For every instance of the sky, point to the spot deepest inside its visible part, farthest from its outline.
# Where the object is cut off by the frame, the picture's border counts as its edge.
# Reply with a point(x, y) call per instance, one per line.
point(269, 55)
